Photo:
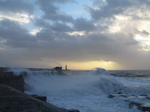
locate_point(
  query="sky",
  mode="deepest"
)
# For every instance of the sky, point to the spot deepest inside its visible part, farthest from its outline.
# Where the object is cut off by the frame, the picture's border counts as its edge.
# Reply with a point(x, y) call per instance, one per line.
point(83, 34)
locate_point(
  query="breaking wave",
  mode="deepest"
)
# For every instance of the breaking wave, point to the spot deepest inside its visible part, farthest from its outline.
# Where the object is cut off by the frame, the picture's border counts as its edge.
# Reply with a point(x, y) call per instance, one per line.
point(87, 91)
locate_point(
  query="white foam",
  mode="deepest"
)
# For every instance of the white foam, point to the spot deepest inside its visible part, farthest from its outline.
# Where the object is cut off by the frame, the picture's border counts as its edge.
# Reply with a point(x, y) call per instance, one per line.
point(87, 92)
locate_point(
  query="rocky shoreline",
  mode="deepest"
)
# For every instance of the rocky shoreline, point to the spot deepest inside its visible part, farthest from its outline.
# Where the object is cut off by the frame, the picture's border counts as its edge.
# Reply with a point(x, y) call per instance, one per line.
point(13, 98)
point(142, 102)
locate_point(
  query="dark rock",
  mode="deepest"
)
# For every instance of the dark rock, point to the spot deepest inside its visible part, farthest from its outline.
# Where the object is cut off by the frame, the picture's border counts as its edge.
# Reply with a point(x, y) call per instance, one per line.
point(141, 102)
point(3, 69)
point(144, 108)
point(143, 95)
point(12, 80)
point(148, 97)
point(123, 95)
point(43, 98)
point(133, 103)
point(73, 110)
point(117, 95)
point(12, 100)
point(111, 96)
point(59, 70)
point(141, 106)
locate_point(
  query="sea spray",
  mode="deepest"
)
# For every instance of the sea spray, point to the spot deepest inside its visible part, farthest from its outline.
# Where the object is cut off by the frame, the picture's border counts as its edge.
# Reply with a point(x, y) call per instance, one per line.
point(54, 84)
point(135, 86)
point(33, 71)
point(87, 92)
point(18, 71)
point(109, 85)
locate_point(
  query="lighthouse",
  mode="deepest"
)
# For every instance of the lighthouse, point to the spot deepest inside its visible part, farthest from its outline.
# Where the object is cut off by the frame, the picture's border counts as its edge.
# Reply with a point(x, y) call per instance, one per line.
point(65, 67)
point(66, 71)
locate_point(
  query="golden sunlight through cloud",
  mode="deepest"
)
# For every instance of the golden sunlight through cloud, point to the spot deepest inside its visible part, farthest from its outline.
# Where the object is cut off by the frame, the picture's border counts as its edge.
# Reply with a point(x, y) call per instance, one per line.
point(108, 65)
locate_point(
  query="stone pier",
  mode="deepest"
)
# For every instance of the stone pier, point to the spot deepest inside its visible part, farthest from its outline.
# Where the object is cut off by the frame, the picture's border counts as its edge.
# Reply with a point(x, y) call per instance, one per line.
point(12, 80)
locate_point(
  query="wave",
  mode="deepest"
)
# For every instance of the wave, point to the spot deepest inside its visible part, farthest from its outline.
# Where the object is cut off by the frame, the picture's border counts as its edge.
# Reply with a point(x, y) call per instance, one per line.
point(86, 91)
point(43, 79)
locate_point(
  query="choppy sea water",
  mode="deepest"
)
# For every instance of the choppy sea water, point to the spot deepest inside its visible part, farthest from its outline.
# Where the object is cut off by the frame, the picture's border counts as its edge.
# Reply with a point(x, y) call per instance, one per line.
point(88, 91)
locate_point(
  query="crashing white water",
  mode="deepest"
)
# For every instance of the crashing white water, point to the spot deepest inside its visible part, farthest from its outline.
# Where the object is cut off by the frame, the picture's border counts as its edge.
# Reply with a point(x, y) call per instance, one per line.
point(86, 91)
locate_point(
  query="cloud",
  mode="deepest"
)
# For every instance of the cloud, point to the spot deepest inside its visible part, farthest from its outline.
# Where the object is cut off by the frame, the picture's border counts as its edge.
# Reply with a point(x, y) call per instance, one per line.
point(109, 9)
point(17, 10)
point(52, 12)
point(61, 27)
point(143, 33)
point(110, 34)
point(102, 9)
point(13, 35)
point(82, 24)
point(16, 6)
point(23, 18)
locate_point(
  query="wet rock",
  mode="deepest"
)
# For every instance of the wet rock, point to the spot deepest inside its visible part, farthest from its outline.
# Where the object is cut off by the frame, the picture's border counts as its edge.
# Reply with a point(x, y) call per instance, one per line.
point(43, 98)
point(3, 69)
point(12, 80)
point(73, 110)
point(143, 95)
point(117, 95)
point(111, 96)
point(142, 102)
point(141, 106)
point(144, 108)
point(133, 103)
point(12, 100)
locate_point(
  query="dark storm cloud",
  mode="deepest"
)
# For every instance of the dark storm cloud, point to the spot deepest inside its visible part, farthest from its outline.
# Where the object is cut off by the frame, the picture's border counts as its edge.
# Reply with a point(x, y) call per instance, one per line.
point(57, 17)
point(111, 8)
point(92, 47)
point(47, 2)
point(82, 24)
point(111, 46)
point(14, 35)
point(52, 12)
point(15, 6)
point(41, 23)
point(146, 3)
point(55, 40)
point(61, 27)
point(115, 7)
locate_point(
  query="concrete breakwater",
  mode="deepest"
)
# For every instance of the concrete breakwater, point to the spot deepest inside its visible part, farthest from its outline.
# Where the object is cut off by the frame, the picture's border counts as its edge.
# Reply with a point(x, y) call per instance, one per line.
point(13, 98)
point(53, 71)
point(10, 79)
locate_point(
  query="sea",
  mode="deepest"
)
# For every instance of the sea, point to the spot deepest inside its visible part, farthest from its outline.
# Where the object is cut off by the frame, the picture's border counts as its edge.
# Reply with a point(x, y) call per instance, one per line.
point(90, 91)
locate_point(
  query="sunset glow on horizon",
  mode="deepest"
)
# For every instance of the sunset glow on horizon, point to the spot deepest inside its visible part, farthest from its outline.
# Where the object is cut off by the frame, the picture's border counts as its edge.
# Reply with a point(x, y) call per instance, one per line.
point(111, 34)
point(92, 65)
